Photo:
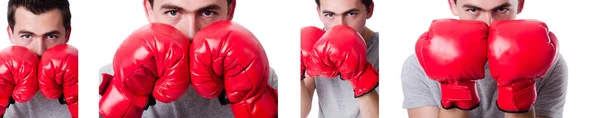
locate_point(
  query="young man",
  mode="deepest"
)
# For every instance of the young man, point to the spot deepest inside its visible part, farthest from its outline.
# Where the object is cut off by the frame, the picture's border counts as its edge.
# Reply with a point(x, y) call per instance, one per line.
point(43, 27)
point(338, 97)
point(489, 83)
point(190, 17)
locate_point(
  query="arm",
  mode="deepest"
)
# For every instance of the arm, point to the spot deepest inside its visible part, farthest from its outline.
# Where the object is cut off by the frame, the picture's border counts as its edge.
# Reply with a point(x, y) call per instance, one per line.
point(453, 113)
point(423, 112)
point(418, 98)
point(369, 105)
point(552, 91)
point(307, 89)
point(529, 114)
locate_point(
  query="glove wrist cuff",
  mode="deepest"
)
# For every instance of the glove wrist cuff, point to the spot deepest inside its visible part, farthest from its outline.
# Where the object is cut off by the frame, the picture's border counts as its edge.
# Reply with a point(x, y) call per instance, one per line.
point(517, 97)
point(367, 82)
point(462, 95)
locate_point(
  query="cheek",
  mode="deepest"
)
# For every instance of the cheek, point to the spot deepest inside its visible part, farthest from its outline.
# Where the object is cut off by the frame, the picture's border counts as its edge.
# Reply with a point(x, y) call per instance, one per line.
point(52, 43)
point(357, 23)
point(21, 42)
point(466, 16)
point(205, 21)
point(328, 24)
point(161, 18)
point(510, 16)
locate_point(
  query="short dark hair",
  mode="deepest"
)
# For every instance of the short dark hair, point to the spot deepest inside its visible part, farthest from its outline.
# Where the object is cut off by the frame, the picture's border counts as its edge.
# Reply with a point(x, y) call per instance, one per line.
point(38, 7)
point(152, 2)
point(367, 3)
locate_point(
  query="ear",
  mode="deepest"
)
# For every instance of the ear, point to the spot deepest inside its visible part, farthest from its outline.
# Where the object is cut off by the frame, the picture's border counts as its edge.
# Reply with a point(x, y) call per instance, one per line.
point(10, 35)
point(521, 5)
point(319, 13)
point(231, 10)
point(318, 10)
point(453, 7)
point(148, 10)
point(370, 10)
point(68, 35)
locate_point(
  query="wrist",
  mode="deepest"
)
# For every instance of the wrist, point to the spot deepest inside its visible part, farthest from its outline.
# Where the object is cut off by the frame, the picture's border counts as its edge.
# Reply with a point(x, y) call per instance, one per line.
point(366, 82)
point(459, 94)
point(516, 97)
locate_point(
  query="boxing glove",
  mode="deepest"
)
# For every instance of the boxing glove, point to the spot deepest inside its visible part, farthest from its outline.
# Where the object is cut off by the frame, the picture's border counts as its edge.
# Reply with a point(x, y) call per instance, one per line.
point(18, 75)
point(453, 53)
point(342, 51)
point(519, 52)
point(151, 62)
point(106, 80)
point(227, 61)
point(308, 37)
point(58, 75)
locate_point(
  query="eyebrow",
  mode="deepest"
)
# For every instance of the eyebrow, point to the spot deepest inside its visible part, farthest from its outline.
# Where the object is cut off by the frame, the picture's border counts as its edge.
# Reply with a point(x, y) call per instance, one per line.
point(470, 6)
point(47, 33)
point(212, 6)
point(174, 7)
point(346, 12)
point(170, 6)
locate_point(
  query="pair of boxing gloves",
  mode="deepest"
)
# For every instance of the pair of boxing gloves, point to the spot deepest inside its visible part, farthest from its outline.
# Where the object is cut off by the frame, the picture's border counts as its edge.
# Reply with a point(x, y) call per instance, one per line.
point(340, 51)
point(56, 73)
point(454, 53)
point(224, 60)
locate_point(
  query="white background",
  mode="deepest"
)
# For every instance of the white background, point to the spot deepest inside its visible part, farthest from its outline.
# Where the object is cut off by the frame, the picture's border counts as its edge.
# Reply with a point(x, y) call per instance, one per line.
point(100, 26)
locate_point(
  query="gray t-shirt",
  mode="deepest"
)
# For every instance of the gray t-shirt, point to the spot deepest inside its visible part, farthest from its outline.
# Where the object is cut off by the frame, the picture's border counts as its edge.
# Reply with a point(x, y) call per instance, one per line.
point(190, 105)
point(421, 91)
point(38, 107)
point(336, 96)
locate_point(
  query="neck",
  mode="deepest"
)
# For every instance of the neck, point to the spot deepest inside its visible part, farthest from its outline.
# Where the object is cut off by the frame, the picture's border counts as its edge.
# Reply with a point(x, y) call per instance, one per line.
point(367, 34)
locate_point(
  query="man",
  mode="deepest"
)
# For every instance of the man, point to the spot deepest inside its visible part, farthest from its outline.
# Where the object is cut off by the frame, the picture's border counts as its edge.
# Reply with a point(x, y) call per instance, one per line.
point(42, 27)
point(491, 82)
point(338, 97)
point(192, 17)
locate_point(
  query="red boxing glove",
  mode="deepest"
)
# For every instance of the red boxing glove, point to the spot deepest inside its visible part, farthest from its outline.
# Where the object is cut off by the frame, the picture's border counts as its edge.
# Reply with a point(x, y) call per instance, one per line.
point(58, 75)
point(106, 80)
point(453, 52)
point(227, 60)
point(151, 62)
point(519, 52)
point(342, 51)
point(18, 75)
point(308, 37)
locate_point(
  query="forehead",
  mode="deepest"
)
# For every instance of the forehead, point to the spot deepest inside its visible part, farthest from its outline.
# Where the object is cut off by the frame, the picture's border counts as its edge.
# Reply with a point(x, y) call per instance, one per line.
point(51, 19)
point(340, 5)
point(191, 4)
point(486, 4)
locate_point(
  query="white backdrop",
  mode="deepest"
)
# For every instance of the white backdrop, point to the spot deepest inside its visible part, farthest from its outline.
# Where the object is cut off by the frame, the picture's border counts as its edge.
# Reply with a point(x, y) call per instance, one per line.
point(100, 26)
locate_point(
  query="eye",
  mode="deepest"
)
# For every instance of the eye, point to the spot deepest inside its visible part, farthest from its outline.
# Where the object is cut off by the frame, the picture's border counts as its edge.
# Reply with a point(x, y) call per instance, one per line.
point(502, 10)
point(328, 15)
point(51, 37)
point(208, 13)
point(472, 11)
point(352, 14)
point(172, 13)
point(26, 36)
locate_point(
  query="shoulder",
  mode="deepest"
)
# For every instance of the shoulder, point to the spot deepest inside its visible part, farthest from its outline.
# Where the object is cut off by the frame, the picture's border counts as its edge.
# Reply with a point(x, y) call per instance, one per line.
point(411, 64)
point(412, 70)
point(558, 70)
point(108, 68)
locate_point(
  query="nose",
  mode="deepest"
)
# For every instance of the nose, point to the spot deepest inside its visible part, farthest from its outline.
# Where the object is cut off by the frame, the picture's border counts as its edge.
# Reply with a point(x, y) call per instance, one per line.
point(187, 26)
point(487, 18)
point(37, 46)
point(340, 20)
